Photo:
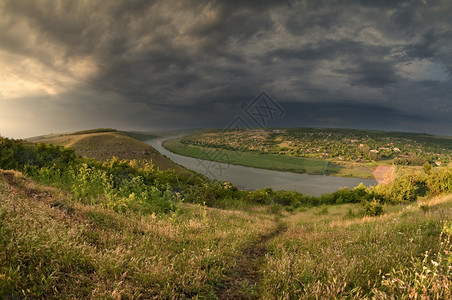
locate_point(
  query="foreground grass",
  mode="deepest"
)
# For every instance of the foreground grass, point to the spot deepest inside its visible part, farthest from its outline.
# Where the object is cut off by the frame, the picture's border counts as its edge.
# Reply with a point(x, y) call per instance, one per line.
point(53, 247)
point(333, 253)
point(271, 161)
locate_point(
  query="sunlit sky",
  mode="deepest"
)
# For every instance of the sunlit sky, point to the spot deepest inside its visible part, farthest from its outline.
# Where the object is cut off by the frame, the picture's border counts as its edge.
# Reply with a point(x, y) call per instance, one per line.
point(150, 65)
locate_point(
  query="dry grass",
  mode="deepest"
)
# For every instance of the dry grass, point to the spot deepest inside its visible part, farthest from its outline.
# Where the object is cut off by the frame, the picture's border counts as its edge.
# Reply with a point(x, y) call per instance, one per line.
point(336, 253)
point(54, 247)
point(104, 145)
point(51, 247)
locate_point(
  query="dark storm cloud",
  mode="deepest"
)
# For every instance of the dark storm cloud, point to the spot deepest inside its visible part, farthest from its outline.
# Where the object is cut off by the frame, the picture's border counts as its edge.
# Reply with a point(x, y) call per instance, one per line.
point(197, 63)
point(345, 114)
point(328, 50)
point(373, 74)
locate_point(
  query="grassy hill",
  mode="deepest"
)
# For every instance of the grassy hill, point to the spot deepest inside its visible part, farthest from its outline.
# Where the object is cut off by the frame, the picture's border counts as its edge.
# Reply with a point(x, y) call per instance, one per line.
point(75, 228)
point(103, 144)
point(56, 248)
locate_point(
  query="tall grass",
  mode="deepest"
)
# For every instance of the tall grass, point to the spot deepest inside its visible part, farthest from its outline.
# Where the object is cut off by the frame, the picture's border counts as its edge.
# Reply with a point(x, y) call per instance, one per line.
point(53, 247)
point(425, 277)
point(339, 254)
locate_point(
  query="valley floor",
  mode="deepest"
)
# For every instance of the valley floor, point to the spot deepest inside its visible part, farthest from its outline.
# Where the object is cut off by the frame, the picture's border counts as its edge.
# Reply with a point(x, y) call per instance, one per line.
point(275, 161)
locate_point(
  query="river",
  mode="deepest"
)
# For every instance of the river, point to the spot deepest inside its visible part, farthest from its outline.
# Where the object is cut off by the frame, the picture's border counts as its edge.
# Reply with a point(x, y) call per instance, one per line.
point(254, 178)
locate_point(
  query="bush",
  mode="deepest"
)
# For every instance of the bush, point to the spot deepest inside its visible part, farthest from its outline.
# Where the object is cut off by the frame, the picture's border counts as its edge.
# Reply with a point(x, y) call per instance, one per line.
point(345, 195)
point(263, 196)
point(440, 182)
point(406, 188)
point(115, 184)
point(275, 209)
point(373, 208)
point(16, 155)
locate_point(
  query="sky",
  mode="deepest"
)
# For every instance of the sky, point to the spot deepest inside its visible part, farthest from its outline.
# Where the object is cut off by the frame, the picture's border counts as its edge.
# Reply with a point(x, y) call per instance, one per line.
point(152, 65)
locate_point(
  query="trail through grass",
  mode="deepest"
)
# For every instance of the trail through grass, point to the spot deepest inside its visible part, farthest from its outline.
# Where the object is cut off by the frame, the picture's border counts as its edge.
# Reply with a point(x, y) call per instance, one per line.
point(245, 280)
point(52, 247)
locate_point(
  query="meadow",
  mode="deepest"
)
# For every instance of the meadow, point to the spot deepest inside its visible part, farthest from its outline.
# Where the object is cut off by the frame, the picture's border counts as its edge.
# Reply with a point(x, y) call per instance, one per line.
point(256, 159)
point(56, 248)
point(73, 227)
point(333, 252)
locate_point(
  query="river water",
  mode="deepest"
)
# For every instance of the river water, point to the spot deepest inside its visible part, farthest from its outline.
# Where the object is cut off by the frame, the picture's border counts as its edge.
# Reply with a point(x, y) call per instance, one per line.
point(254, 178)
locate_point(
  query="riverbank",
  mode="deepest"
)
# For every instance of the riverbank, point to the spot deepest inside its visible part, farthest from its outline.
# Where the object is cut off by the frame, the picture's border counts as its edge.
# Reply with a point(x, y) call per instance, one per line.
point(250, 178)
point(272, 161)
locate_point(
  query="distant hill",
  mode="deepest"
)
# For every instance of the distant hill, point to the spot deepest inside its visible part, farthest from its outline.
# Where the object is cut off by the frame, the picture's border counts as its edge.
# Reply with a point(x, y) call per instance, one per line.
point(103, 144)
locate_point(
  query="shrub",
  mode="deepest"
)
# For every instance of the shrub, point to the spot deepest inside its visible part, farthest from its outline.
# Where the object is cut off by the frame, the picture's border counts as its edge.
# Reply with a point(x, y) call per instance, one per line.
point(428, 168)
point(406, 188)
point(373, 208)
point(275, 209)
point(440, 182)
point(263, 196)
point(345, 195)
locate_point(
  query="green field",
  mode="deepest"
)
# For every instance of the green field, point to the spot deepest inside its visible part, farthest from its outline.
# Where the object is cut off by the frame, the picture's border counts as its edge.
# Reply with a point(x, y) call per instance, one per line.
point(270, 161)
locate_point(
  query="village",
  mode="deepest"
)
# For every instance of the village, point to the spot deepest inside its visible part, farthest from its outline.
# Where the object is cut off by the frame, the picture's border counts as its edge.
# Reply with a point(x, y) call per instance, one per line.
point(332, 144)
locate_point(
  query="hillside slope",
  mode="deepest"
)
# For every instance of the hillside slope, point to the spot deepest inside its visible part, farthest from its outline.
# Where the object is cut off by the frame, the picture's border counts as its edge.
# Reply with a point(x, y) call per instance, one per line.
point(103, 146)
point(52, 247)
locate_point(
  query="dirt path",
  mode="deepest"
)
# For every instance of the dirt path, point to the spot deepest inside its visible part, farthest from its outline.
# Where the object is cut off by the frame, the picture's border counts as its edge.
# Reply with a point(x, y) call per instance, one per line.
point(244, 281)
